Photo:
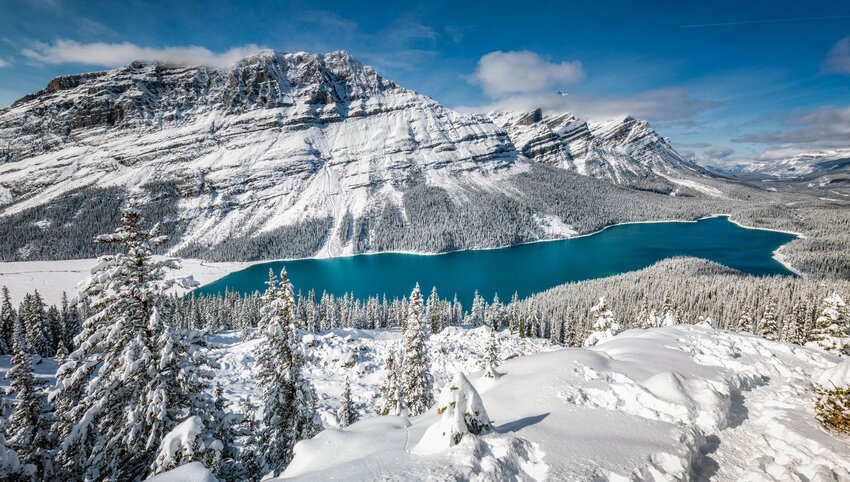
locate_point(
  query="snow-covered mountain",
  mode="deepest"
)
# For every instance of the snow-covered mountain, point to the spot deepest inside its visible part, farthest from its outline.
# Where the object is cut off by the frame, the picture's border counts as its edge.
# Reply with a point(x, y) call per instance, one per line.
point(279, 138)
point(283, 140)
point(820, 168)
point(625, 151)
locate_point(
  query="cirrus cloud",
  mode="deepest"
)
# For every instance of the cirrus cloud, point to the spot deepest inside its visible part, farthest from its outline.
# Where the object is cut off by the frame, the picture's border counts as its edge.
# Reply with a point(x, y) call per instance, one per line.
point(838, 58)
point(114, 54)
point(521, 72)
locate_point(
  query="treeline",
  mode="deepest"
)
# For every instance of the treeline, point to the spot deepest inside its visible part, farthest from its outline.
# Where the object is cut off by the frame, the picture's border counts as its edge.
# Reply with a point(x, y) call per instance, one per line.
point(44, 331)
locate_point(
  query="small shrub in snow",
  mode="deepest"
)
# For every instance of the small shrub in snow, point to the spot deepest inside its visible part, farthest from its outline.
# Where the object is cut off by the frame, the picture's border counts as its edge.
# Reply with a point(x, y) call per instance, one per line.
point(833, 408)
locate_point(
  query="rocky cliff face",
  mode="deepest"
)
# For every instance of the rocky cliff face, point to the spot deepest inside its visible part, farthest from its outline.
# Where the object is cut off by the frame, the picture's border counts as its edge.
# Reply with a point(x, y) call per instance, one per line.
point(625, 151)
point(284, 139)
point(277, 139)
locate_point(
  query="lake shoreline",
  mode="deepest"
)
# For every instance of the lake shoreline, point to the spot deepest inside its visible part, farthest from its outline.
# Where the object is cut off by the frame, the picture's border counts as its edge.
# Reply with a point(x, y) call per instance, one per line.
point(784, 263)
point(721, 240)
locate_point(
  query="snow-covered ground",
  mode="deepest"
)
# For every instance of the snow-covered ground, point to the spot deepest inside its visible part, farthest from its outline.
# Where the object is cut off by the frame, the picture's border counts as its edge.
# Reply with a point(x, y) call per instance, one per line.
point(51, 278)
point(360, 355)
point(676, 403)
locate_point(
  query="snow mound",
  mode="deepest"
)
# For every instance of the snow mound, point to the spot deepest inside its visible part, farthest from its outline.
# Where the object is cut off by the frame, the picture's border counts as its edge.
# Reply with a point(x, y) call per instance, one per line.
point(191, 472)
point(836, 376)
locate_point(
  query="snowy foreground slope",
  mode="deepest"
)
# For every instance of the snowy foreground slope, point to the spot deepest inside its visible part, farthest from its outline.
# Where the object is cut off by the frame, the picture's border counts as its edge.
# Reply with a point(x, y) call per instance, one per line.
point(360, 355)
point(676, 403)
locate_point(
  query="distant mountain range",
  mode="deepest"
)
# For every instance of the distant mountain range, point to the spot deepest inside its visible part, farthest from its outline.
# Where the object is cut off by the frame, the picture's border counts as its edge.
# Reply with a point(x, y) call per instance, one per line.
point(817, 169)
point(287, 139)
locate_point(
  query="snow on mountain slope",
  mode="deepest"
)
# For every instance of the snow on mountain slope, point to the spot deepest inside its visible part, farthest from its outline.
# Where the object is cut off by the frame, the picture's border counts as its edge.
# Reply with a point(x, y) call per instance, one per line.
point(676, 403)
point(278, 139)
point(625, 151)
point(820, 168)
point(314, 145)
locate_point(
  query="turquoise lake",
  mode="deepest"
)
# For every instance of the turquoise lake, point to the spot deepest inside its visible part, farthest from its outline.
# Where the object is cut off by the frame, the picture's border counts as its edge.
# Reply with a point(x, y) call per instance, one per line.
point(528, 268)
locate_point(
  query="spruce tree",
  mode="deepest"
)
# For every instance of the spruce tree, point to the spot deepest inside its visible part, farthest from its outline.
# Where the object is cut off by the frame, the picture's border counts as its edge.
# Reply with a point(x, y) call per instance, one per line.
point(11, 469)
point(832, 328)
point(249, 455)
point(555, 332)
point(416, 365)
point(109, 415)
point(491, 353)
point(434, 312)
point(346, 414)
point(34, 319)
point(769, 325)
point(289, 413)
point(29, 424)
point(478, 309)
point(604, 324)
point(745, 321)
point(7, 322)
point(390, 390)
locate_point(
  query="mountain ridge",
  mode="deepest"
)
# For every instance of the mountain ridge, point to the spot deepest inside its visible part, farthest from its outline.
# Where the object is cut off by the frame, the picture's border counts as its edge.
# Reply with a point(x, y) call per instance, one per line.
point(315, 142)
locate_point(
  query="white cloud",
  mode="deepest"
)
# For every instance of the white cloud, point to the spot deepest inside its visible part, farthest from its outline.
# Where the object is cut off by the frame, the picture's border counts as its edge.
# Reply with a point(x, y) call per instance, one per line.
point(4, 63)
point(115, 54)
point(504, 73)
point(838, 58)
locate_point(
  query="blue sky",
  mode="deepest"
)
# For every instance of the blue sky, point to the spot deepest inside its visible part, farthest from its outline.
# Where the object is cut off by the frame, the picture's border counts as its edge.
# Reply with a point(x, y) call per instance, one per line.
point(725, 81)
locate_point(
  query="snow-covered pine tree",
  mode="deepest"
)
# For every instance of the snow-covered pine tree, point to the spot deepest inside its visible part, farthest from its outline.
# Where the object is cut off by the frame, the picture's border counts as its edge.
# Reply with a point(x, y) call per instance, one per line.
point(7, 322)
point(745, 321)
point(227, 467)
point(832, 328)
point(604, 324)
point(249, 455)
point(416, 365)
point(289, 412)
point(457, 312)
point(11, 469)
point(29, 425)
point(347, 413)
point(491, 351)
point(61, 353)
point(513, 313)
point(34, 318)
point(434, 312)
point(643, 318)
point(55, 330)
point(390, 390)
point(555, 332)
point(180, 383)
point(478, 307)
point(495, 314)
point(668, 312)
point(769, 325)
point(105, 389)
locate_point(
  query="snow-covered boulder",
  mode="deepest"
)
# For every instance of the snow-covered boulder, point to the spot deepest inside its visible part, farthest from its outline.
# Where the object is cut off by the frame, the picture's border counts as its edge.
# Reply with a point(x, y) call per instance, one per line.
point(461, 412)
